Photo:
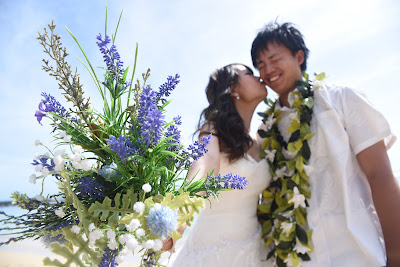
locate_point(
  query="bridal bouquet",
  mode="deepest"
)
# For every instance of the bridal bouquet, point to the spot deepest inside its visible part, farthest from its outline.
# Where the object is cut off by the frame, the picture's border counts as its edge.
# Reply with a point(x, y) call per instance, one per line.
point(121, 173)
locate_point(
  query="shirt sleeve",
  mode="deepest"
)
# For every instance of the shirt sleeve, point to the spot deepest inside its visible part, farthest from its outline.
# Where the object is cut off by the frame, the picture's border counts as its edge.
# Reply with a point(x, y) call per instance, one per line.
point(365, 125)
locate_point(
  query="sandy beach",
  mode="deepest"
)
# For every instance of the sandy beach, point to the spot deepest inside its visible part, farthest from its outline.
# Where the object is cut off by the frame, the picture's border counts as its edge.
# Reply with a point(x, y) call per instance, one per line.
point(30, 253)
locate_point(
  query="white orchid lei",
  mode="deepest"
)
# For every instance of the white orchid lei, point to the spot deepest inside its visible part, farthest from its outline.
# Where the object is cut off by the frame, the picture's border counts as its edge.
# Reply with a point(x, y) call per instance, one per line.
point(283, 208)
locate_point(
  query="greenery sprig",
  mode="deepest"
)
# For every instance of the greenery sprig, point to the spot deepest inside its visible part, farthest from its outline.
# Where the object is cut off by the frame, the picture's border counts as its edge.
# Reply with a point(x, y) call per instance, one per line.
point(283, 211)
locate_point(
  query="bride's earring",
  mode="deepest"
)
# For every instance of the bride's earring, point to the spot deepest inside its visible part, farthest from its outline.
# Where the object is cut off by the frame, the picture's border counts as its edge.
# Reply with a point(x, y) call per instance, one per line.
point(237, 96)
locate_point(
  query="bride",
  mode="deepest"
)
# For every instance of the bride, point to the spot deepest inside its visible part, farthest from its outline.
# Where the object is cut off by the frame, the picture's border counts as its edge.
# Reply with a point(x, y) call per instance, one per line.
point(227, 232)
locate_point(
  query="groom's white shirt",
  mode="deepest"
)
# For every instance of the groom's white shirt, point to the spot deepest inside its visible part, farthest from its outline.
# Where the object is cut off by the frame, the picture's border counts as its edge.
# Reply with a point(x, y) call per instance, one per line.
point(346, 229)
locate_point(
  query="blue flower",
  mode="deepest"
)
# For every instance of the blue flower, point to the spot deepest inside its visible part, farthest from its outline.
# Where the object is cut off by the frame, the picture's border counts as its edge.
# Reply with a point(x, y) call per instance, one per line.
point(113, 62)
point(109, 171)
point(122, 146)
point(166, 88)
point(49, 165)
point(162, 220)
point(90, 188)
point(50, 104)
point(150, 117)
point(108, 259)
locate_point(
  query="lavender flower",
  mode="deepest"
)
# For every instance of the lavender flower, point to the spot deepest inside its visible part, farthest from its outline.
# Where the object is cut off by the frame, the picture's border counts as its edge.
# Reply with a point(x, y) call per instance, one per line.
point(166, 88)
point(108, 259)
point(122, 146)
point(113, 62)
point(199, 149)
point(150, 260)
point(151, 119)
point(235, 181)
point(90, 188)
point(229, 181)
point(174, 132)
point(162, 220)
point(50, 104)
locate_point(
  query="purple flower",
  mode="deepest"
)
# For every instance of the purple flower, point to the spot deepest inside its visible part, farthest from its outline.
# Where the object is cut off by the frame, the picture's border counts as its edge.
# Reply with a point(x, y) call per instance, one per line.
point(108, 259)
point(49, 165)
point(90, 188)
point(175, 134)
point(199, 149)
point(113, 62)
point(166, 88)
point(229, 181)
point(150, 118)
point(122, 146)
point(50, 104)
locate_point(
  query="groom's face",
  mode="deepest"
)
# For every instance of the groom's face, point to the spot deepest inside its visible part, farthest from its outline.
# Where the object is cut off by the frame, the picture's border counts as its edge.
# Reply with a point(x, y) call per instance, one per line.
point(279, 68)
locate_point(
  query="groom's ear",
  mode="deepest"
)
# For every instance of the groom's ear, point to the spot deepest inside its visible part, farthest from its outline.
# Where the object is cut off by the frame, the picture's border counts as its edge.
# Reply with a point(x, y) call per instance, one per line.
point(299, 57)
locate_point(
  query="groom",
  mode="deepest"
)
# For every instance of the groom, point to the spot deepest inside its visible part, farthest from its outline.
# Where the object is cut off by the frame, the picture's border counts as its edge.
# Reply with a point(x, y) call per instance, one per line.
point(351, 173)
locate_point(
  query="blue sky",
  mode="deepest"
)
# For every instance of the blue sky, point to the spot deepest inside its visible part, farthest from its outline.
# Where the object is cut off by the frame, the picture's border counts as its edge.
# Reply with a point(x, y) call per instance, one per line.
point(355, 42)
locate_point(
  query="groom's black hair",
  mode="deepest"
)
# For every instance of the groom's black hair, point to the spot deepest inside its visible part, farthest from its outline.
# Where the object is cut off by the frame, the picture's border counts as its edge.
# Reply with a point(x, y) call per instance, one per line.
point(285, 34)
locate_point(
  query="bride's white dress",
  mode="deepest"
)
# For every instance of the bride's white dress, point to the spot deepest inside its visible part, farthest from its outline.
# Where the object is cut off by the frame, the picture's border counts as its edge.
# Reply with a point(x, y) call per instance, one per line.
point(228, 233)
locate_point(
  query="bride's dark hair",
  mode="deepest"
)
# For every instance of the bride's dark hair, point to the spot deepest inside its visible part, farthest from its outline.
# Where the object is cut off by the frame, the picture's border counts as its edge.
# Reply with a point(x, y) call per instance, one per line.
point(221, 114)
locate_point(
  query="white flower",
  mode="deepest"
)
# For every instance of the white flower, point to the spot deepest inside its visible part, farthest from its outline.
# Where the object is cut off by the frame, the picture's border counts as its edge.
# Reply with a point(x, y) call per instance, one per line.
point(47, 155)
point(286, 227)
point(125, 252)
point(148, 244)
point(112, 244)
point(59, 152)
point(59, 168)
point(289, 155)
point(38, 167)
point(37, 156)
point(86, 165)
point(308, 169)
point(37, 142)
point(39, 198)
point(67, 138)
point(139, 207)
point(291, 98)
point(91, 227)
point(317, 84)
point(60, 213)
point(110, 234)
point(124, 238)
point(289, 262)
point(298, 199)
point(140, 232)
point(146, 188)
point(77, 149)
point(279, 173)
point(270, 154)
point(119, 259)
point(133, 225)
point(95, 235)
point(45, 172)
point(158, 244)
point(62, 134)
point(75, 229)
point(32, 179)
point(131, 244)
point(72, 157)
point(58, 160)
point(270, 121)
point(300, 248)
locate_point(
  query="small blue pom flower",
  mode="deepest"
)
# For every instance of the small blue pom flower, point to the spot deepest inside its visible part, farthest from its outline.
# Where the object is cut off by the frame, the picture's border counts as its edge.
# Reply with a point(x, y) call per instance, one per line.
point(162, 220)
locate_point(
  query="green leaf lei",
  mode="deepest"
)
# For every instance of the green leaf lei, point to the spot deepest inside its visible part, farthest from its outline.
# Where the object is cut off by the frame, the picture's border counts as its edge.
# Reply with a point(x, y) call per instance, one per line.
point(283, 208)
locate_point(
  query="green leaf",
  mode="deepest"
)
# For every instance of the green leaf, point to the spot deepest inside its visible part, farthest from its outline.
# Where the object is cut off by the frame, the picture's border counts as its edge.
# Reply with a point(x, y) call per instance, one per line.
point(320, 77)
point(294, 126)
point(305, 151)
point(300, 217)
point(309, 102)
point(294, 136)
point(266, 228)
point(279, 262)
point(262, 133)
point(304, 257)
point(301, 234)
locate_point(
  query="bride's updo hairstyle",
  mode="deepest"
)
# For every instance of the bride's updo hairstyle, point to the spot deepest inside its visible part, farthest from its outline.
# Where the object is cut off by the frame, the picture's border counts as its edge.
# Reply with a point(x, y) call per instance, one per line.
point(221, 114)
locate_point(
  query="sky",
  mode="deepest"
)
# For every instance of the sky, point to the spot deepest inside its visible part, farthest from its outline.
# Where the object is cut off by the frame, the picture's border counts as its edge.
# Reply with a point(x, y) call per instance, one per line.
point(355, 42)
